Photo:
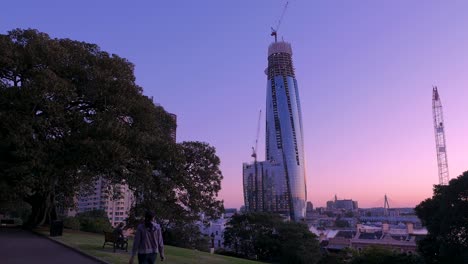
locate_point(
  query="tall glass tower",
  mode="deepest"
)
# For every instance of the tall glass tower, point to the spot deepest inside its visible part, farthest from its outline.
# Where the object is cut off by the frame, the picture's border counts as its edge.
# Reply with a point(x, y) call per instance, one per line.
point(279, 184)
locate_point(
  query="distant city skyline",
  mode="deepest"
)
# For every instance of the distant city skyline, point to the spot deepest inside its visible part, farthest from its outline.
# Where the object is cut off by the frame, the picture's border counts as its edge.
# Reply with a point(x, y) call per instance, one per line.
point(366, 72)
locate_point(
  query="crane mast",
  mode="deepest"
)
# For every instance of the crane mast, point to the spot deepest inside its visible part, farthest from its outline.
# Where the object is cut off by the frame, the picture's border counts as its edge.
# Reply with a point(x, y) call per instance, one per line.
point(439, 130)
point(274, 31)
point(254, 149)
point(257, 184)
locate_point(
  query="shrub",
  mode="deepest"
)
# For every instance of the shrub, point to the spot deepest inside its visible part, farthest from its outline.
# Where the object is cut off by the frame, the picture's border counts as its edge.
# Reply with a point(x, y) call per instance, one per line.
point(224, 252)
point(186, 235)
point(71, 223)
point(94, 221)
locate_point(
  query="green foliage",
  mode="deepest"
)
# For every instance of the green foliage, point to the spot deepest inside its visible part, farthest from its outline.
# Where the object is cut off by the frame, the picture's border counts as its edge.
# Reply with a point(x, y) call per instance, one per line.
point(72, 223)
point(335, 258)
point(186, 235)
point(95, 221)
point(224, 252)
point(446, 217)
point(297, 244)
point(268, 237)
point(70, 113)
point(183, 188)
point(377, 255)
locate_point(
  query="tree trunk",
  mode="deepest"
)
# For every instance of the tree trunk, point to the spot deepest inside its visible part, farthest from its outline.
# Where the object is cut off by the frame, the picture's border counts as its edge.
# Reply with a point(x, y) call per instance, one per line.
point(42, 209)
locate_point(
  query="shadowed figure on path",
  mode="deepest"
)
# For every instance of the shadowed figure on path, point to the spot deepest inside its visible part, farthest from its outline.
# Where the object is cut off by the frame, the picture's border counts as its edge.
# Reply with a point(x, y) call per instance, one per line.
point(148, 241)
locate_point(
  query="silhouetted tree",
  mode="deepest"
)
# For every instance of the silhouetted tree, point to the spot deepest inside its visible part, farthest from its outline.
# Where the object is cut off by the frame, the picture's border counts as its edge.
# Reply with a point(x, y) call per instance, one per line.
point(297, 244)
point(446, 217)
point(182, 188)
point(71, 113)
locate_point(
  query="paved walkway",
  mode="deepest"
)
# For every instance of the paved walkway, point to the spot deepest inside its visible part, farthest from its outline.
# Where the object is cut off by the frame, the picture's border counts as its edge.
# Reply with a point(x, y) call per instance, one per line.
point(19, 246)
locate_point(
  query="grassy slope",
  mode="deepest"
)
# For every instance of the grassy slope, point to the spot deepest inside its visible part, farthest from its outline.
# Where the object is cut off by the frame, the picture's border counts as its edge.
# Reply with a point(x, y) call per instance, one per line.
point(92, 244)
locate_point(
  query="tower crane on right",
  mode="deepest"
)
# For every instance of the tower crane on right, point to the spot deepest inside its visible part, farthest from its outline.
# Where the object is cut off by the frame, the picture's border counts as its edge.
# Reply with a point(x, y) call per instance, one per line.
point(439, 129)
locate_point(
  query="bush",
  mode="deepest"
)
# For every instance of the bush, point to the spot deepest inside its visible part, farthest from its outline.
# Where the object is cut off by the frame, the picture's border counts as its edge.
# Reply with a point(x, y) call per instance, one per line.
point(186, 235)
point(267, 237)
point(71, 223)
point(95, 225)
point(224, 252)
point(16, 209)
point(94, 221)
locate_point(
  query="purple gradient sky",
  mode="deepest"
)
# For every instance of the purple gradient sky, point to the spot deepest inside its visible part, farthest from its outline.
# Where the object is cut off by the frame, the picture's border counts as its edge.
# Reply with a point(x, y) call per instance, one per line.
point(365, 71)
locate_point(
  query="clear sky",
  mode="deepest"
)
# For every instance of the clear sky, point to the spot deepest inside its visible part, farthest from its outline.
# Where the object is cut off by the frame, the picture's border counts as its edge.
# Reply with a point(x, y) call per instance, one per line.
point(365, 71)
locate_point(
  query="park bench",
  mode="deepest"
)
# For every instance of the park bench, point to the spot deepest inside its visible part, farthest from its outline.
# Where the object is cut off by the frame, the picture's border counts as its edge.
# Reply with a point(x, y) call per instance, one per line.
point(113, 239)
point(7, 222)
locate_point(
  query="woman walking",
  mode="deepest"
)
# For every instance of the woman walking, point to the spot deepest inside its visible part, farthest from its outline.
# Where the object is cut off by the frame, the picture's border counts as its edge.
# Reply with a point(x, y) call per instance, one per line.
point(148, 241)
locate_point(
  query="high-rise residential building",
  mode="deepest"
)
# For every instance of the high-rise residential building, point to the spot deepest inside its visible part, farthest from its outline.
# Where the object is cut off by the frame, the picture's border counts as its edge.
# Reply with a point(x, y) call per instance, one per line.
point(116, 200)
point(279, 183)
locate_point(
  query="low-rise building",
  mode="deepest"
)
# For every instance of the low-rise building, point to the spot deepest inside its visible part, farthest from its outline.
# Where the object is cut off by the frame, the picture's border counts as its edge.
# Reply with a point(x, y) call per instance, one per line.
point(215, 228)
point(395, 239)
point(344, 204)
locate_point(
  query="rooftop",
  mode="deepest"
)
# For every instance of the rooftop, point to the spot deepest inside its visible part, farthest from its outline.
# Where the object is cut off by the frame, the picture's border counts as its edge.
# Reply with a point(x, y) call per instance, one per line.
point(279, 47)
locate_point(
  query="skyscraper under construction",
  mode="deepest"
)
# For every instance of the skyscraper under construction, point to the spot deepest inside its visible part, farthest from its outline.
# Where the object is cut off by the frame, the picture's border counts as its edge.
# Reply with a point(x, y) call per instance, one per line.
point(279, 183)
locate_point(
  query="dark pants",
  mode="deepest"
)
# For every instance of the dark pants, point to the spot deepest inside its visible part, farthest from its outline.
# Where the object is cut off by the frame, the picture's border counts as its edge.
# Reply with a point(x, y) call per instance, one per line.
point(147, 258)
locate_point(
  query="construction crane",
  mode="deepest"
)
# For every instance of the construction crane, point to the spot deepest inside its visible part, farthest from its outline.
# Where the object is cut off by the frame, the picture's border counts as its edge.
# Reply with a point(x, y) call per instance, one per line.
point(256, 181)
point(274, 31)
point(439, 130)
point(254, 149)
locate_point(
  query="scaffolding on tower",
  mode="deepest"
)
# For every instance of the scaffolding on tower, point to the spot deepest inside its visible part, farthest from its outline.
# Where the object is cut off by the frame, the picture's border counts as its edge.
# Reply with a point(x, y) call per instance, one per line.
point(439, 130)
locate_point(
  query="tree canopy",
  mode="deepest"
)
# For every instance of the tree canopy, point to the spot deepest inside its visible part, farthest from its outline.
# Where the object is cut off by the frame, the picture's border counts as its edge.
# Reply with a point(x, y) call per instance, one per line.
point(269, 237)
point(446, 217)
point(183, 188)
point(71, 113)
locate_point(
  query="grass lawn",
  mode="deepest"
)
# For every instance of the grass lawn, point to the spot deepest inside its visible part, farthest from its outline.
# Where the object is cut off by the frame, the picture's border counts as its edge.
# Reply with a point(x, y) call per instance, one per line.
point(91, 244)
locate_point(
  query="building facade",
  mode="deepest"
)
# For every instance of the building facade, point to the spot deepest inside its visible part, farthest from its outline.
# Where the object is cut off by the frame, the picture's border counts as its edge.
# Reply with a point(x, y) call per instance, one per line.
point(344, 204)
point(215, 228)
point(116, 200)
point(279, 183)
